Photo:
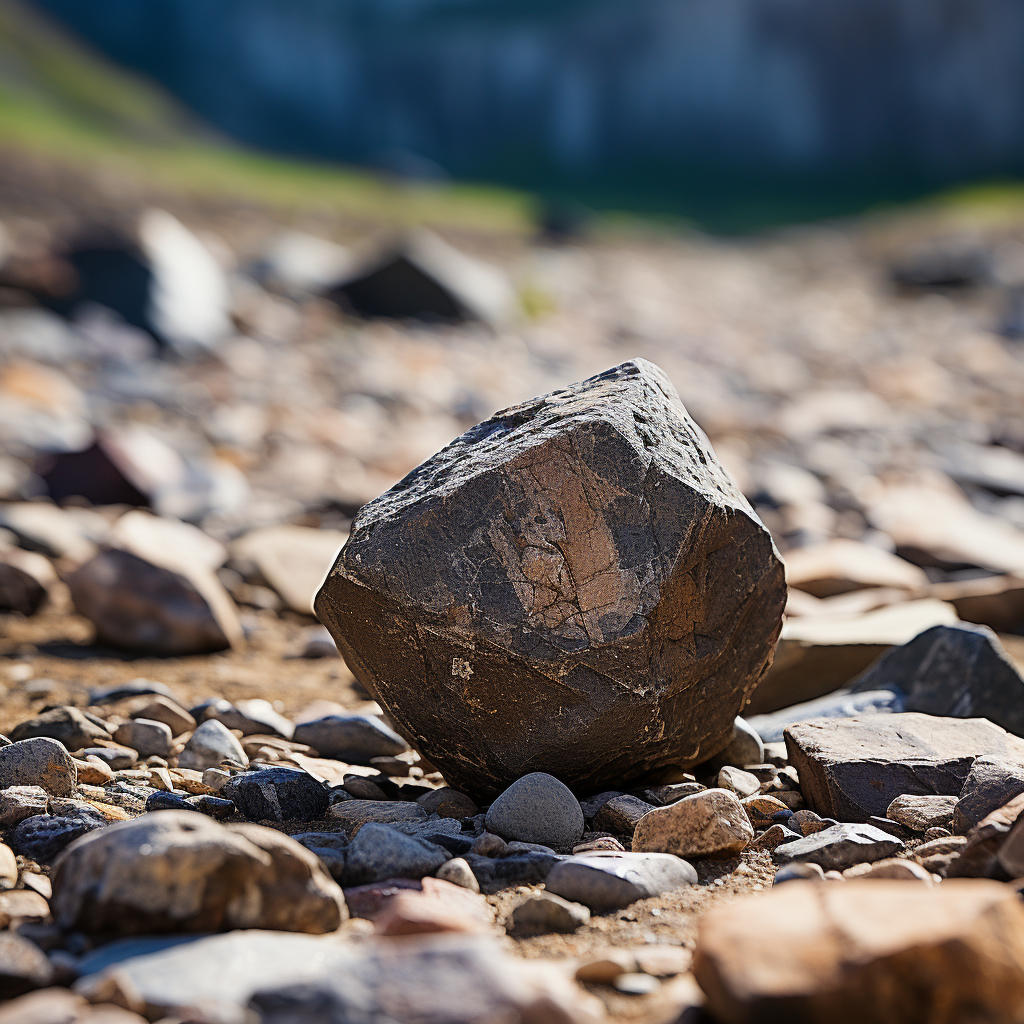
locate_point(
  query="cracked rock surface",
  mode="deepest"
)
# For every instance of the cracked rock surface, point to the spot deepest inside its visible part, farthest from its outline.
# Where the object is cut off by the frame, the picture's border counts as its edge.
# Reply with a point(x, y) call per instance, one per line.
point(574, 586)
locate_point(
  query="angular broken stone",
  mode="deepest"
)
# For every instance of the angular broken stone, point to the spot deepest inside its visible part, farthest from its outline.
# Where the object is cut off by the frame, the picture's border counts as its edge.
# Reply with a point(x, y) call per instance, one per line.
point(920, 813)
point(20, 802)
point(596, 570)
point(852, 769)
point(67, 725)
point(840, 847)
point(865, 951)
point(991, 783)
point(608, 881)
point(545, 912)
point(708, 824)
point(961, 671)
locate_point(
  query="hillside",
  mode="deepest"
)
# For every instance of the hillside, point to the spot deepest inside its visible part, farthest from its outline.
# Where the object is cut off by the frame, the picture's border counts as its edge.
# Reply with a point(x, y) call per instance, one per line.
point(65, 104)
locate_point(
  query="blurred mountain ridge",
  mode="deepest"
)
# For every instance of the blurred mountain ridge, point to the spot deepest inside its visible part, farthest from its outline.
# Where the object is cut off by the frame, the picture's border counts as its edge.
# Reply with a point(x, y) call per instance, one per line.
point(661, 97)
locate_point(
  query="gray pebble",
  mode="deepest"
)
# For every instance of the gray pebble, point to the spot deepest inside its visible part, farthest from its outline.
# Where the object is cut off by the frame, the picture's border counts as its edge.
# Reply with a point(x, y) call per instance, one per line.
point(537, 809)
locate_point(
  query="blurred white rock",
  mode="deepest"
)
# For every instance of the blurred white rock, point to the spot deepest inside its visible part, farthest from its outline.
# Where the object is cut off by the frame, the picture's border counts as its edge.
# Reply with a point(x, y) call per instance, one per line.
point(189, 301)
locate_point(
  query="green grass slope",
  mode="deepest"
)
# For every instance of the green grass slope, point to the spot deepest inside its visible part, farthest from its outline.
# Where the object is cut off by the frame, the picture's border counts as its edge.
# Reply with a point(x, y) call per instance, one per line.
point(60, 100)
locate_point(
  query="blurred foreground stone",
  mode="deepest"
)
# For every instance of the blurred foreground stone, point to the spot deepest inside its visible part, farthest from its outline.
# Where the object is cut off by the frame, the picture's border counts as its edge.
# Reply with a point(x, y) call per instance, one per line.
point(574, 586)
point(870, 952)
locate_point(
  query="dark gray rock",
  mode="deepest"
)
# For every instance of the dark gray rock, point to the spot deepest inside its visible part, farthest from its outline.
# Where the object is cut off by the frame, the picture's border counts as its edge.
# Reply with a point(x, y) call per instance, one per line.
point(378, 852)
point(133, 688)
point(117, 757)
point(851, 769)
point(23, 966)
point(278, 794)
point(585, 533)
point(662, 796)
point(20, 591)
point(40, 761)
point(70, 726)
point(537, 809)
point(215, 807)
point(592, 804)
point(840, 847)
point(841, 704)
point(608, 881)
point(352, 738)
point(620, 814)
point(494, 873)
point(991, 783)
point(959, 671)
point(43, 837)
point(161, 800)
point(147, 737)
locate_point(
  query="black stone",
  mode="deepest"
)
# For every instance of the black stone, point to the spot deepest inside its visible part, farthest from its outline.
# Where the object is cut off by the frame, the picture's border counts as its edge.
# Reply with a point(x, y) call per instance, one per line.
point(42, 837)
point(277, 794)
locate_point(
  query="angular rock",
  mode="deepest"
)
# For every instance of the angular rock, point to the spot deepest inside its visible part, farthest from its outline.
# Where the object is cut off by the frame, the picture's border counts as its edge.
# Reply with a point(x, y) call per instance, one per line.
point(537, 809)
point(817, 654)
point(742, 783)
point(113, 755)
point(20, 802)
point(351, 738)
point(67, 725)
point(621, 814)
point(352, 815)
point(979, 856)
point(544, 913)
point(865, 951)
point(147, 737)
point(210, 745)
point(920, 813)
point(292, 559)
point(609, 881)
point(170, 712)
point(278, 794)
point(991, 783)
point(458, 872)
point(249, 717)
point(40, 761)
point(851, 769)
point(378, 852)
point(146, 608)
point(23, 966)
point(179, 871)
point(708, 824)
point(566, 557)
point(840, 847)
point(961, 671)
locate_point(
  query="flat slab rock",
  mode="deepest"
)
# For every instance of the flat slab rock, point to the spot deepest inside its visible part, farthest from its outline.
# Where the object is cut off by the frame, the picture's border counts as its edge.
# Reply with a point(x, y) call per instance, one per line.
point(565, 574)
point(608, 881)
point(878, 950)
point(852, 769)
point(287, 977)
point(839, 847)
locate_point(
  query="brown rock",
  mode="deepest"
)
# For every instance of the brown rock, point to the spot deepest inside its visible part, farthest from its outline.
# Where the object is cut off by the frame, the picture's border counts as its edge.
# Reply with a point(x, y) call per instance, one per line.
point(882, 951)
point(621, 814)
point(182, 871)
point(59, 1006)
point(852, 769)
point(8, 867)
point(163, 709)
point(139, 606)
point(979, 856)
point(891, 868)
point(708, 824)
point(23, 904)
point(438, 907)
point(599, 571)
point(23, 966)
point(448, 803)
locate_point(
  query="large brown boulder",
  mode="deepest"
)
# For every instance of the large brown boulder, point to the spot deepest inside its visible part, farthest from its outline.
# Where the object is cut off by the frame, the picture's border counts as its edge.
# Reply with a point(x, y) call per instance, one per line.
point(574, 586)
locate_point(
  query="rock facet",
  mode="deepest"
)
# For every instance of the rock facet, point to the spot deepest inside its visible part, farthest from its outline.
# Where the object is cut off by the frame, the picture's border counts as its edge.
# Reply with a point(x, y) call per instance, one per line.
point(708, 824)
